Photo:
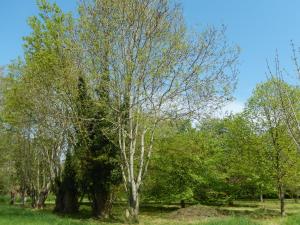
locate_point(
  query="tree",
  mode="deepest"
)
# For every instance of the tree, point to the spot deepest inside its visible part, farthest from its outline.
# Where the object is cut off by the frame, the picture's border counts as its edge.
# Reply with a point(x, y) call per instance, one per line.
point(39, 101)
point(156, 71)
point(288, 98)
point(240, 166)
point(266, 113)
point(179, 159)
point(7, 168)
point(219, 161)
point(97, 155)
point(66, 188)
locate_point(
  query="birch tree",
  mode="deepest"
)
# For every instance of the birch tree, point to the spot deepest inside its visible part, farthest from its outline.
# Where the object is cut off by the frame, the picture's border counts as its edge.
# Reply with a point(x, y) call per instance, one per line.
point(155, 69)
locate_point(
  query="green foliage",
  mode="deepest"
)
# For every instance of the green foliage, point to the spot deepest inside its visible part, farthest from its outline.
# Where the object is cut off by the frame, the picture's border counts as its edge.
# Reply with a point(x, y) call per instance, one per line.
point(90, 88)
point(267, 117)
point(175, 169)
point(216, 163)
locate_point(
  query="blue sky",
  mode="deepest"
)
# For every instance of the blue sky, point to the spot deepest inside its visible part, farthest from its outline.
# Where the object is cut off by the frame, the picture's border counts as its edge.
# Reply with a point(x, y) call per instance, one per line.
point(259, 27)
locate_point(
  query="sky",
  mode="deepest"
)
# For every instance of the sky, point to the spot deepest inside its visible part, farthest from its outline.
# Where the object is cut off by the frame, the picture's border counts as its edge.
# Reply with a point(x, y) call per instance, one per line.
point(258, 27)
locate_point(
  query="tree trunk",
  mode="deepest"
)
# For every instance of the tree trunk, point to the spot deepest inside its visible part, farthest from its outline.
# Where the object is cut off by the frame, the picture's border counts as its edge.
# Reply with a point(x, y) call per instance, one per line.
point(261, 196)
point(100, 204)
point(281, 198)
point(59, 197)
point(134, 205)
point(41, 199)
point(33, 198)
point(230, 202)
point(38, 198)
point(66, 200)
point(70, 202)
point(23, 198)
point(59, 203)
point(182, 203)
point(12, 197)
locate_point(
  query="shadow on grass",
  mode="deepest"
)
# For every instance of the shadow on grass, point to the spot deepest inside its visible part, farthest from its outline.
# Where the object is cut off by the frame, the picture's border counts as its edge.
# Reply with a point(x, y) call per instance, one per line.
point(151, 208)
point(85, 214)
point(249, 205)
point(118, 216)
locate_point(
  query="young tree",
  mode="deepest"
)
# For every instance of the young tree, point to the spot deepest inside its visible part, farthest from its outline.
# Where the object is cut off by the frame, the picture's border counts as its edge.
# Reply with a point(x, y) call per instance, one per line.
point(265, 109)
point(289, 98)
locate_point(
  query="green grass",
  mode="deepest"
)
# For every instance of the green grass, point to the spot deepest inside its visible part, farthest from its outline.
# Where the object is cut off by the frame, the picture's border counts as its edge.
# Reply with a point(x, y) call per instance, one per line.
point(292, 220)
point(11, 215)
point(232, 221)
point(243, 213)
point(15, 215)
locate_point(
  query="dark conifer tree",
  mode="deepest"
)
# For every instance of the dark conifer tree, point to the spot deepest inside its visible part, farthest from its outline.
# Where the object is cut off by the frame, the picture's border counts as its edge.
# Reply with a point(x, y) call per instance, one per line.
point(96, 153)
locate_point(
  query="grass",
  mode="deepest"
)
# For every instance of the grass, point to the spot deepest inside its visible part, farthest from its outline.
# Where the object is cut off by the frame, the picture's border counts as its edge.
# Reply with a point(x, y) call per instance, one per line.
point(243, 213)
point(232, 221)
point(292, 220)
point(11, 215)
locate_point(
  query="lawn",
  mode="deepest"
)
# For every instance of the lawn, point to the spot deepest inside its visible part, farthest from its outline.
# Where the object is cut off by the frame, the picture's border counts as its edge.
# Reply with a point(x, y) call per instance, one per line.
point(243, 213)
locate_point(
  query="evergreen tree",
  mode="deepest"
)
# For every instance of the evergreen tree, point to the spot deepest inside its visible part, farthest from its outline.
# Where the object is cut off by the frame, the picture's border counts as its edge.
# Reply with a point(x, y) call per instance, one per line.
point(99, 168)
point(67, 189)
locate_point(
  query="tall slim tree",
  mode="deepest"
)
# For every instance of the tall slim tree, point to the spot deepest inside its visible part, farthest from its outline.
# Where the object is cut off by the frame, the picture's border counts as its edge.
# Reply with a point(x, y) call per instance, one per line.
point(266, 112)
point(289, 98)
